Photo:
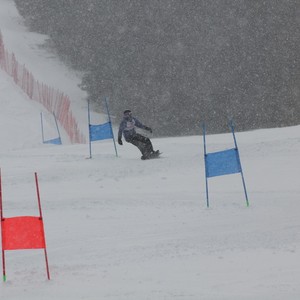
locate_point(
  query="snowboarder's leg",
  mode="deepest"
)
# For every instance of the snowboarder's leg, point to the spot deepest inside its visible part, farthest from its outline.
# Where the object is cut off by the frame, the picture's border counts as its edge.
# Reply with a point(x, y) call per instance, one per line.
point(145, 145)
point(134, 141)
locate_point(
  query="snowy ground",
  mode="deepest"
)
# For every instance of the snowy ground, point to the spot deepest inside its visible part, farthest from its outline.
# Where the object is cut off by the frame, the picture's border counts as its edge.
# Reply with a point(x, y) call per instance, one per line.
point(122, 228)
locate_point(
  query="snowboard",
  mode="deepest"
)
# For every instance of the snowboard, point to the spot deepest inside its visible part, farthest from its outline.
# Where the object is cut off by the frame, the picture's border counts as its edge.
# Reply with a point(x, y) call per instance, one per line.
point(152, 156)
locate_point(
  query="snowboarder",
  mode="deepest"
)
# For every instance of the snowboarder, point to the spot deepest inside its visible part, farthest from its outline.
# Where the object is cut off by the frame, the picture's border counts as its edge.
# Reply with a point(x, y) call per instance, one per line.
point(127, 128)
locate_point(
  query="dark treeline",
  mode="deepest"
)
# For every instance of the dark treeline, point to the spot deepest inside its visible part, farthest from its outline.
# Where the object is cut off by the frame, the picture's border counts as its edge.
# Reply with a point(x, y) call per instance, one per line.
point(176, 63)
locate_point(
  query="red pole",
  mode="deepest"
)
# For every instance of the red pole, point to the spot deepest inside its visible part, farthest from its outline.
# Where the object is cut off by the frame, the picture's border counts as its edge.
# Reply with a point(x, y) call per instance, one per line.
point(2, 219)
point(1, 211)
point(47, 266)
point(41, 216)
point(38, 194)
point(3, 265)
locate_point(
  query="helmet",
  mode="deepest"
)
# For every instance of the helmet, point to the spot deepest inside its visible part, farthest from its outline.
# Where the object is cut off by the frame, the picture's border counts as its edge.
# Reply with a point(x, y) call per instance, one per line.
point(127, 112)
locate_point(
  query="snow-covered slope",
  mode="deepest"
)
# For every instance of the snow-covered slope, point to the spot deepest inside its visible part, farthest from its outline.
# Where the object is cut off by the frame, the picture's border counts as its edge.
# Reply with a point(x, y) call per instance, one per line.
point(29, 50)
point(122, 228)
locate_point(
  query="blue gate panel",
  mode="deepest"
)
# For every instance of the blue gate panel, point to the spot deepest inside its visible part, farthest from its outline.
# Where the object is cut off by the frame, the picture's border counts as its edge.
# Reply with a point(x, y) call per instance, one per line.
point(222, 163)
point(101, 132)
point(56, 141)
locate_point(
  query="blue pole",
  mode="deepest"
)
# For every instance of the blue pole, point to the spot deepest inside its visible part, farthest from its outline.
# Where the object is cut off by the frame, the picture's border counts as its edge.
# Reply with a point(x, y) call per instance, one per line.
point(232, 130)
point(239, 161)
point(57, 127)
point(42, 127)
point(206, 181)
point(89, 121)
point(109, 120)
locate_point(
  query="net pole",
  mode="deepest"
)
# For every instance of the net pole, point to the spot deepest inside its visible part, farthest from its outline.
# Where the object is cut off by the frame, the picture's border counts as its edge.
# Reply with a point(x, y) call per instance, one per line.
point(89, 121)
point(42, 127)
point(206, 181)
point(238, 157)
point(109, 120)
point(57, 128)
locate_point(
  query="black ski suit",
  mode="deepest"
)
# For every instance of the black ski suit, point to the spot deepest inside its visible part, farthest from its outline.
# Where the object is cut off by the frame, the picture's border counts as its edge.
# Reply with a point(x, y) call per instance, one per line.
point(127, 128)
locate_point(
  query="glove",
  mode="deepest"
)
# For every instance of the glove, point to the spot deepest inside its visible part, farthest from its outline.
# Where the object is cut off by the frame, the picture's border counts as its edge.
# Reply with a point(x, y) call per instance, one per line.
point(120, 141)
point(148, 129)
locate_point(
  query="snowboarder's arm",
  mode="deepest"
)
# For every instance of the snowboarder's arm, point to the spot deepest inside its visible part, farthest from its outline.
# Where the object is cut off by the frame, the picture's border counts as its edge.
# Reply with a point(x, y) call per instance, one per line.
point(141, 125)
point(121, 128)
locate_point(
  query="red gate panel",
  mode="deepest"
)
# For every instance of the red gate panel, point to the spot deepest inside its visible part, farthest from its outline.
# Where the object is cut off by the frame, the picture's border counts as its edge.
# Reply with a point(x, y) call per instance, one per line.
point(23, 233)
